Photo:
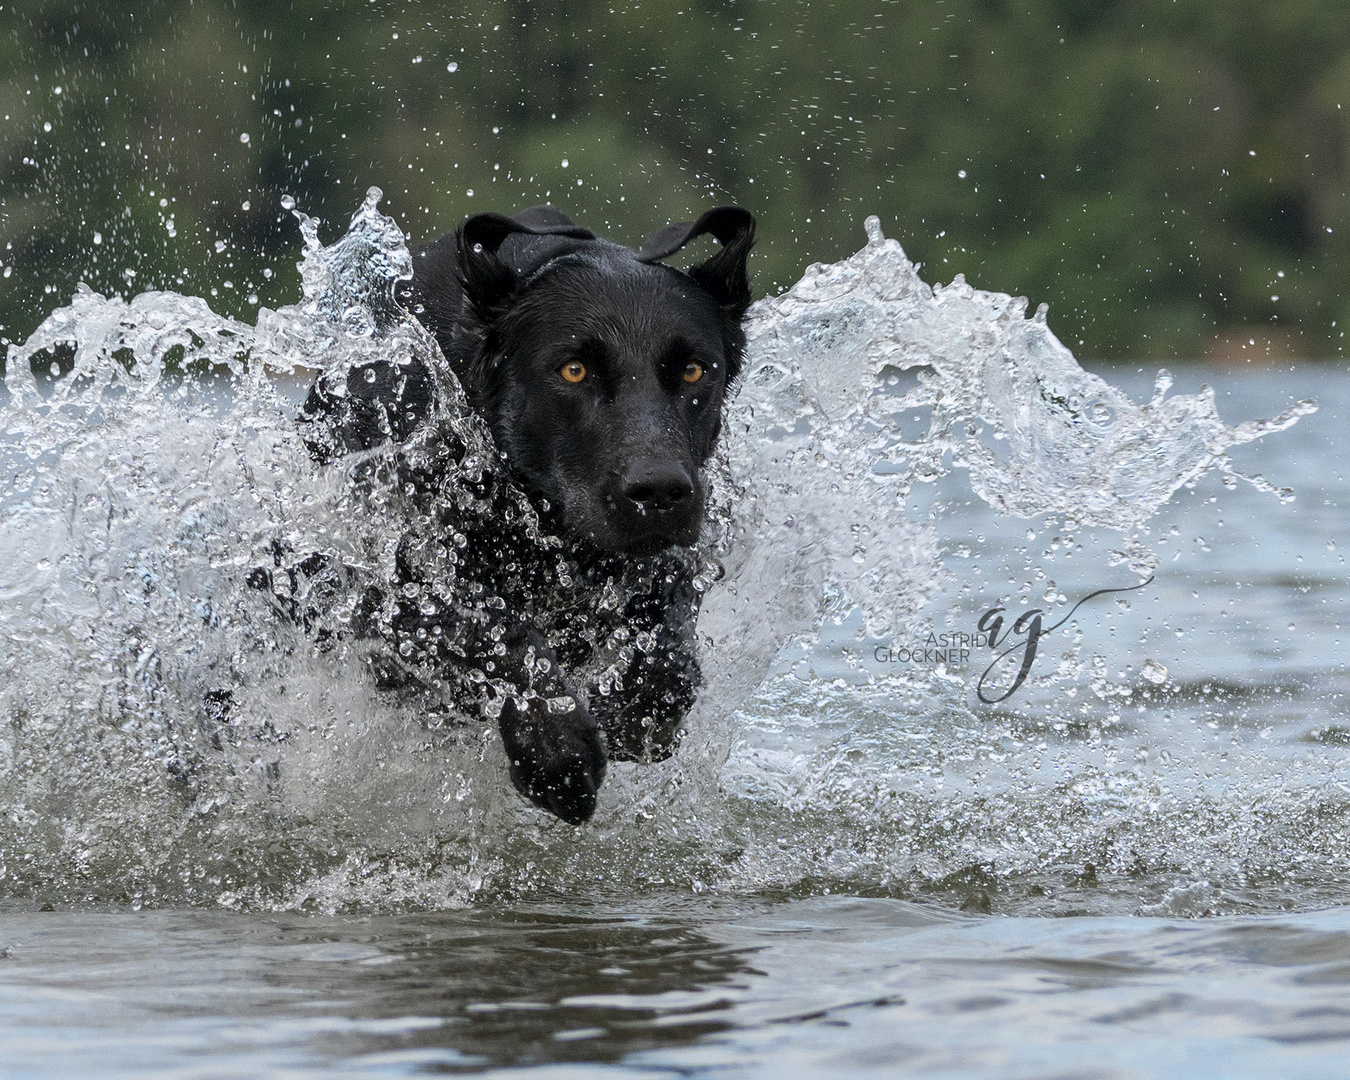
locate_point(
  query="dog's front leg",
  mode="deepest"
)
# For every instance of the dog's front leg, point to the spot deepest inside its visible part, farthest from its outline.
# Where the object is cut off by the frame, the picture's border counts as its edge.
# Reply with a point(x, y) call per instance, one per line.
point(644, 721)
point(553, 744)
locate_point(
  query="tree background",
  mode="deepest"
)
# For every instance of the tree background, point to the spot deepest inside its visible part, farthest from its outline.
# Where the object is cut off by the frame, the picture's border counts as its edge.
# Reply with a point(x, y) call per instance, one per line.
point(1170, 177)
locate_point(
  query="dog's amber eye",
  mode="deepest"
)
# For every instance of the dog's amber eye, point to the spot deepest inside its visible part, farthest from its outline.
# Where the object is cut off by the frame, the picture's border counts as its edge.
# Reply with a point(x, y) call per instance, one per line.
point(573, 371)
point(693, 372)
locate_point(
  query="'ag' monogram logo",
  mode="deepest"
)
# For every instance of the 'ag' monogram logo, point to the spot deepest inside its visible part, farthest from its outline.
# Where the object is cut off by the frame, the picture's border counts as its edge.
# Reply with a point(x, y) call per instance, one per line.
point(1028, 630)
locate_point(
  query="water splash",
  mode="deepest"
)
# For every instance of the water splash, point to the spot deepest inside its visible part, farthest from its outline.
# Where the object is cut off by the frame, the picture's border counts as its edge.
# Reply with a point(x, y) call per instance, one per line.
point(153, 462)
point(1006, 400)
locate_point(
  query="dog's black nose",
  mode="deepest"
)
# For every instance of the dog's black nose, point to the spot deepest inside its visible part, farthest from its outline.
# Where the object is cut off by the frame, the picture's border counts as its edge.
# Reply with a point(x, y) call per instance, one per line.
point(658, 485)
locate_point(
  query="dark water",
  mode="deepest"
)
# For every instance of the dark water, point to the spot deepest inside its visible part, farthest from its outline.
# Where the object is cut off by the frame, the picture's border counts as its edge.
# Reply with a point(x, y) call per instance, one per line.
point(824, 986)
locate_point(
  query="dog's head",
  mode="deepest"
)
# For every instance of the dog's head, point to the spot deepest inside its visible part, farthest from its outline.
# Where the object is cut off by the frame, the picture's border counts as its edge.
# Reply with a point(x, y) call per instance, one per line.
point(602, 372)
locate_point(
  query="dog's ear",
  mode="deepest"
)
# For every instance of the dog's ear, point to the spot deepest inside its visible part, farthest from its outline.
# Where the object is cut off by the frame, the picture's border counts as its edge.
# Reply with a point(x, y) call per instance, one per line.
point(489, 283)
point(724, 275)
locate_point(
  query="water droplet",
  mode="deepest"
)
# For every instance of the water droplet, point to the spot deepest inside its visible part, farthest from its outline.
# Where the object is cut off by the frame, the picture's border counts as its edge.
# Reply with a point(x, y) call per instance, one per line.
point(359, 322)
point(288, 202)
point(452, 66)
point(565, 163)
point(244, 137)
point(1154, 672)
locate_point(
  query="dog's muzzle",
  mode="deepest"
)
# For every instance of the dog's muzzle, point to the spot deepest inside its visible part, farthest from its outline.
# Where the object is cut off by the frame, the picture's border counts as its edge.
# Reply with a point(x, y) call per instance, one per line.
point(658, 503)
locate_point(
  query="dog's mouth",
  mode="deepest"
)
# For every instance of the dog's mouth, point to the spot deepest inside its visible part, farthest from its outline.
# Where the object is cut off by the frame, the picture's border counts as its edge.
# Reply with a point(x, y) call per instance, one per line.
point(621, 529)
point(658, 540)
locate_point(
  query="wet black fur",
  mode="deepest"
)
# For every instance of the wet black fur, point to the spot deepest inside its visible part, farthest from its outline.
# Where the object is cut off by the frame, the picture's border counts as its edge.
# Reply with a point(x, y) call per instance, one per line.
point(611, 464)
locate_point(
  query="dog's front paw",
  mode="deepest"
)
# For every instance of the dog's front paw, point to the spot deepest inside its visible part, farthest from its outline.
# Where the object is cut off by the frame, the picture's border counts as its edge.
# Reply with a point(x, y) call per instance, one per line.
point(557, 760)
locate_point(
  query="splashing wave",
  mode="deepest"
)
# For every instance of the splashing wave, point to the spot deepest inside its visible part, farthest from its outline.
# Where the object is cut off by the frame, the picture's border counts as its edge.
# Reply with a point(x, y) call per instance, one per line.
point(153, 460)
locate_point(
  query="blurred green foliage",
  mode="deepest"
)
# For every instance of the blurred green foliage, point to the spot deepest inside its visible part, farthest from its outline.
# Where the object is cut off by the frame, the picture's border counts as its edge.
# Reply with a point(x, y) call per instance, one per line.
point(1158, 172)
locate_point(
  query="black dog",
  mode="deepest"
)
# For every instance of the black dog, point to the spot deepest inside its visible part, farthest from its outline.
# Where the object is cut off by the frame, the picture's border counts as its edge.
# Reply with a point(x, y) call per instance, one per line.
point(568, 613)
